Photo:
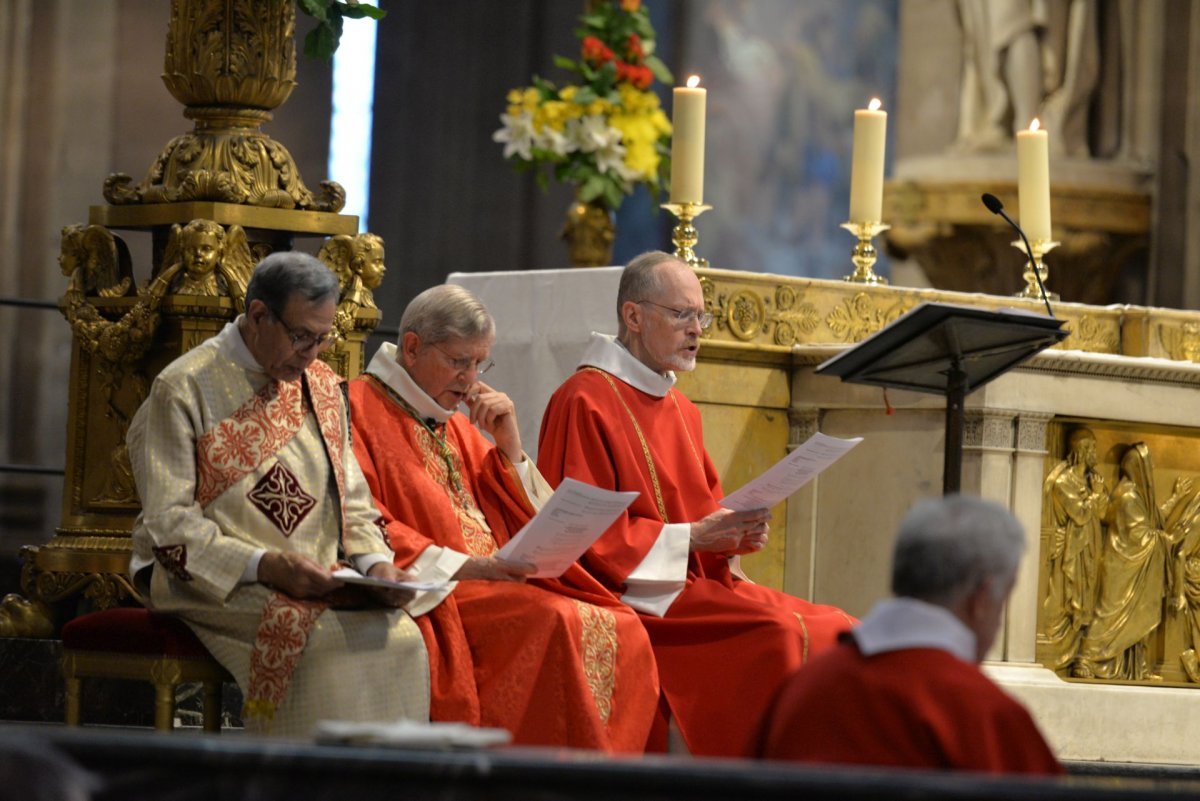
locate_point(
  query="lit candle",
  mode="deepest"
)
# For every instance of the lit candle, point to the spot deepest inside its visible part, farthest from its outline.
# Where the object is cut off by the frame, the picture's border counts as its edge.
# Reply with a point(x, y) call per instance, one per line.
point(866, 165)
point(1033, 182)
point(687, 143)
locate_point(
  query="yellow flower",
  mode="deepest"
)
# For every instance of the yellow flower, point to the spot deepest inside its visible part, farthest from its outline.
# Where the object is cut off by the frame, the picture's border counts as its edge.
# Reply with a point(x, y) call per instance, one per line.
point(554, 114)
point(524, 99)
point(567, 93)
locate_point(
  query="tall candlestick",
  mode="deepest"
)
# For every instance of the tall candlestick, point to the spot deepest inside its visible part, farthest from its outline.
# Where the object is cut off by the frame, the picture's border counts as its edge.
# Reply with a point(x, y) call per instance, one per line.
point(866, 166)
point(1033, 182)
point(687, 143)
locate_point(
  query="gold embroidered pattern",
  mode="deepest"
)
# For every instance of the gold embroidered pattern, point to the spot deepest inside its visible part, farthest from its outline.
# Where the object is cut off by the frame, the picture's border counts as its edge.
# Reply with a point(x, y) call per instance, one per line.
point(658, 496)
point(599, 646)
point(441, 465)
point(804, 653)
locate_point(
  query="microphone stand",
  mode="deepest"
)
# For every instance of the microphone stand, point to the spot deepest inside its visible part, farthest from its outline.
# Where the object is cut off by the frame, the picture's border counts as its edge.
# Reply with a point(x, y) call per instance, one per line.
point(1036, 265)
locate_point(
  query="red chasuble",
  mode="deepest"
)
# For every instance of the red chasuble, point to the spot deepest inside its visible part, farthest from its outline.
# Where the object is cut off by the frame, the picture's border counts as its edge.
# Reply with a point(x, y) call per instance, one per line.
point(725, 645)
point(916, 708)
point(556, 662)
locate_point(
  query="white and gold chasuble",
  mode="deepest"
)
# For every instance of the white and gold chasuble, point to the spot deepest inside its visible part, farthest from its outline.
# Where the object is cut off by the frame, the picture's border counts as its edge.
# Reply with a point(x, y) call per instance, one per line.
point(228, 462)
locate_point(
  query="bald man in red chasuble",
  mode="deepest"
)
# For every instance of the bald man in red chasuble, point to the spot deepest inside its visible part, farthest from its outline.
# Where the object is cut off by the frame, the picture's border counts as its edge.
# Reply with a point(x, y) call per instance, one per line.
point(723, 643)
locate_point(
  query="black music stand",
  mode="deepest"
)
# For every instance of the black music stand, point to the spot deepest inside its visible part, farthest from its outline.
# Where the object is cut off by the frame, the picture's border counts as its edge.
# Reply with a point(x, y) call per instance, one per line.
point(946, 350)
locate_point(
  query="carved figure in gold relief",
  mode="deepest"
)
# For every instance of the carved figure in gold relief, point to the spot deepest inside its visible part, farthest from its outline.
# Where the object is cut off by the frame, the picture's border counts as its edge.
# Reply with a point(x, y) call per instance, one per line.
point(215, 262)
point(358, 263)
point(1133, 577)
point(1185, 593)
point(1077, 500)
point(118, 346)
point(95, 261)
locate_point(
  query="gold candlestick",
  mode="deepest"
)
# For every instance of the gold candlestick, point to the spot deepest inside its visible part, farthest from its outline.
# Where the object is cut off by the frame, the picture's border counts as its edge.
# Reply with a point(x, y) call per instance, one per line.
point(684, 235)
point(864, 254)
point(1040, 248)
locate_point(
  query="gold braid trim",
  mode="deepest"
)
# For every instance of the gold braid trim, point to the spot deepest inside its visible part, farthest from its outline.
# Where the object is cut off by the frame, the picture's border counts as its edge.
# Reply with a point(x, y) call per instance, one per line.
point(804, 626)
point(658, 496)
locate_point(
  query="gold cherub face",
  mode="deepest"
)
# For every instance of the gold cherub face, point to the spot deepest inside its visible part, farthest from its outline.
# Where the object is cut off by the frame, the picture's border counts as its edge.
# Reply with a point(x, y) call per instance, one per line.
point(369, 264)
point(201, 250)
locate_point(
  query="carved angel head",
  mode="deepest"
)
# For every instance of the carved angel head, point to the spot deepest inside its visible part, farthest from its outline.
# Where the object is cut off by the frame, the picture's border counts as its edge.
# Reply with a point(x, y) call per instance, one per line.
point(98, 260)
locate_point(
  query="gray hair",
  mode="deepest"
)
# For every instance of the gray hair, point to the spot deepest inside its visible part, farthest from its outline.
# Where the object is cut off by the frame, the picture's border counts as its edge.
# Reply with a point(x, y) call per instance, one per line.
point(640, 281)
point(289, 272)
point(446, 312)
point(948, 547)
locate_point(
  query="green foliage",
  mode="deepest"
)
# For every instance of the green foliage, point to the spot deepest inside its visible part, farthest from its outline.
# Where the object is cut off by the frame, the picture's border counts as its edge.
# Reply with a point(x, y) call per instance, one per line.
point(323, 40)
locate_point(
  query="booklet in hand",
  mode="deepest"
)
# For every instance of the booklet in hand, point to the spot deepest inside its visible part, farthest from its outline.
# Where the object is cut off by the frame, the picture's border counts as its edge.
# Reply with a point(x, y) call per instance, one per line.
point(574, 517)
point(352, 576)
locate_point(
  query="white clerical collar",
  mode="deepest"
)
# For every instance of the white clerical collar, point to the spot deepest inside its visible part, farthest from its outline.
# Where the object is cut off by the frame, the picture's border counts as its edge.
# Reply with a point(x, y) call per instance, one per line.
point(385, 367)
point(900, 623)
point(608, 354)
point(230, 343)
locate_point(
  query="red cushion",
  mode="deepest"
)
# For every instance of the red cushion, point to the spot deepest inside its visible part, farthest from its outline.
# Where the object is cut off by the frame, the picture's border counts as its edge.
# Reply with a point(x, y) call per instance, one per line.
point(133, 631)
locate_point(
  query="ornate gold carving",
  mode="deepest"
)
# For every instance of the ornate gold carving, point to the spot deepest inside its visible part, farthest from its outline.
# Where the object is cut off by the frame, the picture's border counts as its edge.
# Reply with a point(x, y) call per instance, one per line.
point(20, 617)
point(589, 233)
point(1181, 342)
point(793, 317)
point(1075, 498)
point(118, 347)
point(1093, 334)
point(744, 313)
point(214, 262)
point(96, 262)
point(1121, 564)
point(229, 62)
point(358, 263)
point(857, 317)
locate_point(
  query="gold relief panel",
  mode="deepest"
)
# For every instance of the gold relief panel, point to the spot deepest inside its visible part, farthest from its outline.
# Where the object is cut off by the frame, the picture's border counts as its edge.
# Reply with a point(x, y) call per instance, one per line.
point(1119, 579)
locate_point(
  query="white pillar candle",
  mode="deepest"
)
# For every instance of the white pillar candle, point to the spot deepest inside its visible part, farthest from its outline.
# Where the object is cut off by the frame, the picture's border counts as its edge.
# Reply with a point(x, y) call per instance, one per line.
point(866, 165)
point(687, 142)
point(1033, 182)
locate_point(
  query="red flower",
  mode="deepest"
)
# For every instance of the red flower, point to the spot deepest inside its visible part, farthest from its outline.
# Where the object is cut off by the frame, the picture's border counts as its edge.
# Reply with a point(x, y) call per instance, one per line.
point(595, 51)
point(634, 49)
point(629, 6)
point(637, 75)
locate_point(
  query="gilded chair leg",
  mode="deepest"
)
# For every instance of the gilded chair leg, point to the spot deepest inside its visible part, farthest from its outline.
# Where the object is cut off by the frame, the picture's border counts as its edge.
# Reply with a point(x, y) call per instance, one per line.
point(212, 706)
point(164, 707)
point(73, 690)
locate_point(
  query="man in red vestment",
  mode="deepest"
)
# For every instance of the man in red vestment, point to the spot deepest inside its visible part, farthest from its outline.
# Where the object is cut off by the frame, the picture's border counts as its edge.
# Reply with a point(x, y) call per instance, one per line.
point(904, 689)
point(556, 662)
point(723, 643)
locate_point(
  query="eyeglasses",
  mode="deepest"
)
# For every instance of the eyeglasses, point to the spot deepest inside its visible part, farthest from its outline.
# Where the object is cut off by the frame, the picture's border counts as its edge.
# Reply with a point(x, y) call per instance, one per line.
point(465, 363)
point(302, 340)
point(685, 316)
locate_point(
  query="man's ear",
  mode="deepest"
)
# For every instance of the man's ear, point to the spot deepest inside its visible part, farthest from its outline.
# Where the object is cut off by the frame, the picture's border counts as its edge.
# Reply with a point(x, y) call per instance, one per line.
point(410, 344)
point(256, 311)
point(631, 315)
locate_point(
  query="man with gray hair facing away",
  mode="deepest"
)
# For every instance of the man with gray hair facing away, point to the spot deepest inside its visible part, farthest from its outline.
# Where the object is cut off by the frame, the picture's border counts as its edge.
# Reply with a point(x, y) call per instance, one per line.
point(903, 688)
point(250, 493)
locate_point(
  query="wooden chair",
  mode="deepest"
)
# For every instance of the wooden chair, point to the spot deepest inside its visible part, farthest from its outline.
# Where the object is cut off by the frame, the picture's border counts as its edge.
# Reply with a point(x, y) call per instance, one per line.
point(139, 645)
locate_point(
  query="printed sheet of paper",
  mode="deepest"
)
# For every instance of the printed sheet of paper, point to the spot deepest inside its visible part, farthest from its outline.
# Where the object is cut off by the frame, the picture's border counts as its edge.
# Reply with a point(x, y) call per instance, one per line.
point(352, 576)
point(574, 517)
point(790, 473)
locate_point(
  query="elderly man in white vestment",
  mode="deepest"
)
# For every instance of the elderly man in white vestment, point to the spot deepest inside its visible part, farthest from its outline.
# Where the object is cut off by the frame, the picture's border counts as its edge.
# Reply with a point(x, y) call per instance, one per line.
point(250, 495)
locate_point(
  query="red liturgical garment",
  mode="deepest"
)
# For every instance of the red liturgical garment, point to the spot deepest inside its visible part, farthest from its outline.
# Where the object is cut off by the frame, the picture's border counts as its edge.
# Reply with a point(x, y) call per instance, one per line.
point(724, 645)
point(556, 662)
point(915, 707)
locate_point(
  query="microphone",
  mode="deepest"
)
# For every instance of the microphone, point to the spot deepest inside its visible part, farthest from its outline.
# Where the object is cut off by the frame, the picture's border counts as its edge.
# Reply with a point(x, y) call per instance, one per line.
point(996, 207)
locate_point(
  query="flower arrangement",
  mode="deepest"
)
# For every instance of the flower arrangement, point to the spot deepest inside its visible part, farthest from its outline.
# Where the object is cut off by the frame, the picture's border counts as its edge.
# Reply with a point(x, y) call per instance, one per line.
point(606, 132)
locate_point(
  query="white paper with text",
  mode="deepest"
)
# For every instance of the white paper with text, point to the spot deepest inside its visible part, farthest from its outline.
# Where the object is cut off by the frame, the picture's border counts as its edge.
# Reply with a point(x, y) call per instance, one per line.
point(790, 473)
point(566, 526)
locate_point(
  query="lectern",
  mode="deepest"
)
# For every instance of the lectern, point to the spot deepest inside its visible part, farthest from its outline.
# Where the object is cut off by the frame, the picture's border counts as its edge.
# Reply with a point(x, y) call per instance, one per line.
point(946, 350)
